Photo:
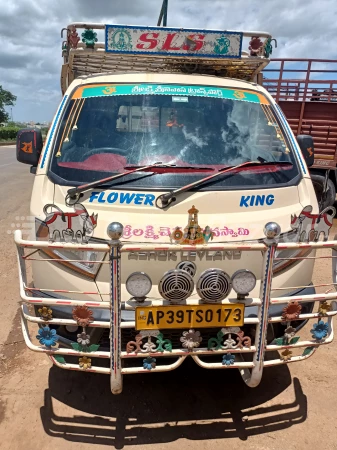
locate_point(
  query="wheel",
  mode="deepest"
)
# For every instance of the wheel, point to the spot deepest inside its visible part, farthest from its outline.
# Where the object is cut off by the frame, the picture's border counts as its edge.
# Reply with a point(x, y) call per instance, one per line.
point(318, 183)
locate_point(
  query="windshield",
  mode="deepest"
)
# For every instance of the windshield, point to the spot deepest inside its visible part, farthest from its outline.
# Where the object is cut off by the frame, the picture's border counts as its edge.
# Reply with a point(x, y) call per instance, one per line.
point(108, 127)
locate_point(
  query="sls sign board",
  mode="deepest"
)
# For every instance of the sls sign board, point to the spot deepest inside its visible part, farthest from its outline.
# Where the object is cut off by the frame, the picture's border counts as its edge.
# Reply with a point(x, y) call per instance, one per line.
point(177, 42)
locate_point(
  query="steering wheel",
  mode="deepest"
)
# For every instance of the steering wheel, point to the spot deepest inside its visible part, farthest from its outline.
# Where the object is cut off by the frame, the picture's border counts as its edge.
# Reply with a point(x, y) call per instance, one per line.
point(94, 151)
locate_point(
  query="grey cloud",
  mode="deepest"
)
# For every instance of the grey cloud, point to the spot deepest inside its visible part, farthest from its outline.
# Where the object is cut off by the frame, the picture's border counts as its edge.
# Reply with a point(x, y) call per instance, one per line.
point(30, 57)
point(8, 60)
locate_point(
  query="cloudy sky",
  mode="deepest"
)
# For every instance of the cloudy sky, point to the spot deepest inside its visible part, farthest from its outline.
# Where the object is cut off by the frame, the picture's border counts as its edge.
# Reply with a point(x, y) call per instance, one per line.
point(30, 51)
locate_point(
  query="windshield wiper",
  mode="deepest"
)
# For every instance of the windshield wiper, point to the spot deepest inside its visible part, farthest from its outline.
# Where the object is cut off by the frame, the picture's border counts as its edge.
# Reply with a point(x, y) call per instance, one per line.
point(174, 168)
point(263, 162)
point(164, 200)
point(73, 194)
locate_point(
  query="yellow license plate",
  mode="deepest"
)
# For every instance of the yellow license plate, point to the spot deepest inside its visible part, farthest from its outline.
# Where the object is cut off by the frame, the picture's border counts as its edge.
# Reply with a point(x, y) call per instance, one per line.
point(200, 316)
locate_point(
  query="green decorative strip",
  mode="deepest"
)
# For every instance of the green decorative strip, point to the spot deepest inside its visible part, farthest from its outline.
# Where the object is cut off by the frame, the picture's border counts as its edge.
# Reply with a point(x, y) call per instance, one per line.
point(294, 340)
point(171, 89)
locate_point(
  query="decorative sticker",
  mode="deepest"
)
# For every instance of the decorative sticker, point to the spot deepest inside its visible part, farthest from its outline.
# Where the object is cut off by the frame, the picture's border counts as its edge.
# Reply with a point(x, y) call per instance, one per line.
point(309, 226)
point(75, 226)
point(178, 91)
point(173, 42)
point(256, 200)
point(122, 198)
point(149, 232)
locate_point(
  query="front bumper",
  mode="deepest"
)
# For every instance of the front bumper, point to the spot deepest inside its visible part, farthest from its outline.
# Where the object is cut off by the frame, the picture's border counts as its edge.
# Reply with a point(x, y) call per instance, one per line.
point(68, 338)
point(149, 351)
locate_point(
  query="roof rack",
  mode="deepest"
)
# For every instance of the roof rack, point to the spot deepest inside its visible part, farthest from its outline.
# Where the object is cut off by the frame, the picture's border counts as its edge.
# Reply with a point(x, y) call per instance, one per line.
point(162, 50)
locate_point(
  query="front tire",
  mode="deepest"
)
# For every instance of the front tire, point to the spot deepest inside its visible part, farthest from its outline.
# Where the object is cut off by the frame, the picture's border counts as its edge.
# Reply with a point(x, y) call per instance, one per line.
point(318, 183)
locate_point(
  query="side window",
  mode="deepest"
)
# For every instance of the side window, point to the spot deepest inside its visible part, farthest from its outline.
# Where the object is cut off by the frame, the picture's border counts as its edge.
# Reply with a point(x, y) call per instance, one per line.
point(145, 119)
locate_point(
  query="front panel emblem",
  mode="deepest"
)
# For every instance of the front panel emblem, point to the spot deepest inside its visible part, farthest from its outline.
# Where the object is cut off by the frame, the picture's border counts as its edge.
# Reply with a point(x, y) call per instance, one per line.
point(192, 234)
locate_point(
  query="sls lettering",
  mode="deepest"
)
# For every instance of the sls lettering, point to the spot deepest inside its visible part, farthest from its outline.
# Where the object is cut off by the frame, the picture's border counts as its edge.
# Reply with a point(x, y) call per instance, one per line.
point(124, 198)
point(256, 200)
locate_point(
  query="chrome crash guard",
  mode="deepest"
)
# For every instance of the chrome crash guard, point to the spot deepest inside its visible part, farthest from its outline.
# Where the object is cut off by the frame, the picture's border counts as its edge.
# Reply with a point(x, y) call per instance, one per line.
point(150, 347)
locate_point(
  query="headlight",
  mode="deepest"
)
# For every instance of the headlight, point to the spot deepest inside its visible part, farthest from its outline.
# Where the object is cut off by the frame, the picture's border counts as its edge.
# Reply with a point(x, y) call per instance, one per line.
point(243, 281)
point(138, 284)
point(87, 264)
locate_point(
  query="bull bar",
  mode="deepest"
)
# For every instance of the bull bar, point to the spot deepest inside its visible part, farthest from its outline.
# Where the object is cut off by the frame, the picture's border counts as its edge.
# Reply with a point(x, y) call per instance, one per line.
point(251, 371)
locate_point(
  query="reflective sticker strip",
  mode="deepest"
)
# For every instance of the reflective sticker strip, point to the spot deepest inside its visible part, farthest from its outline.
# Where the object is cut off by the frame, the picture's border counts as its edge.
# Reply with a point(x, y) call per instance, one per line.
point(169, 89)
point(51, 134)
point(290, 135)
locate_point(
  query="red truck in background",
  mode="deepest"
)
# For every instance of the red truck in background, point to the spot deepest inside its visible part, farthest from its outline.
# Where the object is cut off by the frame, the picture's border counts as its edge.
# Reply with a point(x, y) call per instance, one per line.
point(306, 91)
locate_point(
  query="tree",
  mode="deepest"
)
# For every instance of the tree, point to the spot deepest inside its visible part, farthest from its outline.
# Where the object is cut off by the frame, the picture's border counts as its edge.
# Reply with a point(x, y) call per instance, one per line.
point(6, 99)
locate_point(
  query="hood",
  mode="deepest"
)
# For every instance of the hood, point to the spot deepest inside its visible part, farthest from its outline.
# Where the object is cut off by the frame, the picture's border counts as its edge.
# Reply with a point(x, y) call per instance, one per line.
point(223, 216)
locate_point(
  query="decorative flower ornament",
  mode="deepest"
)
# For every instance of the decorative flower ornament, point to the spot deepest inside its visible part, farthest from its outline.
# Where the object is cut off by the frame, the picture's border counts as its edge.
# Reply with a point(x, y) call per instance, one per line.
point(84, 363)
point(324, 308)
point(89, 37)
point(291, 311)
point(47, 337)
point(286, 355)
point(228, 359)
point(45, 313)
point(83, 315)
point(83, 339)
point(268, 48)
point(320, 330)
point(219, 343)
point(149, 346)
point(255, 45)
point(149, 363)
point(289, 333)
point(73, 37)
point(191, 339)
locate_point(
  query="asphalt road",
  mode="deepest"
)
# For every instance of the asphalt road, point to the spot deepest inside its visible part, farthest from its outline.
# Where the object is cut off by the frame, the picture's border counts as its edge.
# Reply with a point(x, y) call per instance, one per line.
point(15, 187)
point(190, 408)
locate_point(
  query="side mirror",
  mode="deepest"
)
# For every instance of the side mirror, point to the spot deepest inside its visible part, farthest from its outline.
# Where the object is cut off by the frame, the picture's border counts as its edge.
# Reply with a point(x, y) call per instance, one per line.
point(29, 145)
point(306, 144)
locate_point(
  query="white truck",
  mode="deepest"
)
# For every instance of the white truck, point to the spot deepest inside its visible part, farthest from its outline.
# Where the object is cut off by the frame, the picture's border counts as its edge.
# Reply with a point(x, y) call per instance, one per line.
point(175, 214)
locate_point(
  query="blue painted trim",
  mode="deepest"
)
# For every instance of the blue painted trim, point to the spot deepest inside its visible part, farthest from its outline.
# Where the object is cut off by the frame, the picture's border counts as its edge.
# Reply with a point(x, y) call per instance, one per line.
point(203, 55)
point(53, 130)
point(119, 317)
point(263, 304)
point(112, 311)
point(290, 136)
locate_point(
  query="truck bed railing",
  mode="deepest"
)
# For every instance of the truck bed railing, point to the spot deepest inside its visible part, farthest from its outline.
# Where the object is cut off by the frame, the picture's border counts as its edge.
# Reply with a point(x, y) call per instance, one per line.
point(147, 350)
point(286, 81)
point(306, 90)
